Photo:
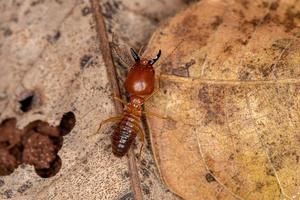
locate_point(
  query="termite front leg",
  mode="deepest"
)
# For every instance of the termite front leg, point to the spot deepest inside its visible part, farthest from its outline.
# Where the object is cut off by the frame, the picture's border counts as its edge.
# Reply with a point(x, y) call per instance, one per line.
point(119, 99)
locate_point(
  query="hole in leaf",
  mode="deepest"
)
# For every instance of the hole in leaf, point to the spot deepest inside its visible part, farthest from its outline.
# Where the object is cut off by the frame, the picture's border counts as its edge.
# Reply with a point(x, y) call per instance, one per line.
point(53, 170)
point(26, 103)
point(67, 123)
point(209, 177)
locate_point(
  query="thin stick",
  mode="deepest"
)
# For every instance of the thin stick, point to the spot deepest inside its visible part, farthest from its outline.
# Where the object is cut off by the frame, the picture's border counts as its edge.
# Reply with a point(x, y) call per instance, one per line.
point(111, 71)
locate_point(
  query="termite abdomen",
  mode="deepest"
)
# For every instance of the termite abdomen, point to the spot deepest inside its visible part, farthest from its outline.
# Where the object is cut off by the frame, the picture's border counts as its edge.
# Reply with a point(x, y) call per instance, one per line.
point(124, 135)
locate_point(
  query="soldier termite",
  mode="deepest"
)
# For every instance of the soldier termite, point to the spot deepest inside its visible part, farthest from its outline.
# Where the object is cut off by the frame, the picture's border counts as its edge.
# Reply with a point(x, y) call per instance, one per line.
point(140, 86)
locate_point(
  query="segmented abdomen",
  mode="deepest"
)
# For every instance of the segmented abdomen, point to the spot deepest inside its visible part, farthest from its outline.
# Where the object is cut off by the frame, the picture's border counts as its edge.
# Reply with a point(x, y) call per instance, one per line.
point(124, 134)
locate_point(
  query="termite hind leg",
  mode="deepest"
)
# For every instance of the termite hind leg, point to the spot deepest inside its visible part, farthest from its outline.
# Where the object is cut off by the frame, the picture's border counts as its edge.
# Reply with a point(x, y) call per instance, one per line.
point(142, 138)
point(112, 119)
point(156, 115)
point(146, 112)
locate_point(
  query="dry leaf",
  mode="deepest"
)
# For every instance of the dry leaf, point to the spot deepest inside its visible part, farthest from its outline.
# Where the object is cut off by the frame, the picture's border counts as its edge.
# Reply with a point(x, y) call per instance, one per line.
point(52, 53)
point(49, 54)
point(232, 86)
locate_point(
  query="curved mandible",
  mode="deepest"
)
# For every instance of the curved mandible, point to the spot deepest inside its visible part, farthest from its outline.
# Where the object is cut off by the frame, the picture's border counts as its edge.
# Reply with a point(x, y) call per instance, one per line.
point(135, 55)
point(152, 61)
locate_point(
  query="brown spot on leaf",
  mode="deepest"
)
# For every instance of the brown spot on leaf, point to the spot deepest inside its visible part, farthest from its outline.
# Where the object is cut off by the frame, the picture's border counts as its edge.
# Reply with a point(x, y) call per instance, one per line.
point(212, 100)
point(270, 172)
point(190, 20)
point(180, 71)
point(23, 188)
point(242, 41)
point(146, 190)
point(85, 61)
point(266, 70)
point(281, 44)
point(274, 5)
point(218, 21)
point(7, 32)
point(128, 196)
point(245, 3)
point(243, 75)
point(227, 49)
point(86, 11)
point(109, 9)
point(36, 2)
point(190, 1)
point(209, 178)
point(190, 63)
point(2, 183)
point(67, 123)
point(8, 193)
point(259, 186)
point(183, 71)
point(53, 38)
point(290, 19)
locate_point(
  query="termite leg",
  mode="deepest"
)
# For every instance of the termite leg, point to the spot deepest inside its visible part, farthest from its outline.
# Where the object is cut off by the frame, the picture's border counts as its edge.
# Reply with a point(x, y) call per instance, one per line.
point(112, 119)
point(151, 95)
point(117, 50)
point(176, 47)
point(156, 115)
point(141, 50)
point(120, 100)
point(142, 138)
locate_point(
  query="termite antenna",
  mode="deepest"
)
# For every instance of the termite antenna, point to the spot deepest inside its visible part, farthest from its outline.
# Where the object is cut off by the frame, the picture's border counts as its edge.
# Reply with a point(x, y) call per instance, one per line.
point(152, 61)
point(135, 55)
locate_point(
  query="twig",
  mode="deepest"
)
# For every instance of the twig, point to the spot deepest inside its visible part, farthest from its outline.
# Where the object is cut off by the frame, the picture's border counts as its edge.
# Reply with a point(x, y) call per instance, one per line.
point(111, 71)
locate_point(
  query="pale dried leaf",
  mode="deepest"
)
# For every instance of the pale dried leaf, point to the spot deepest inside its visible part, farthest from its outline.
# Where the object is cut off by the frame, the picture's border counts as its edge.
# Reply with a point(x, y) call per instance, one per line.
point(51, 48)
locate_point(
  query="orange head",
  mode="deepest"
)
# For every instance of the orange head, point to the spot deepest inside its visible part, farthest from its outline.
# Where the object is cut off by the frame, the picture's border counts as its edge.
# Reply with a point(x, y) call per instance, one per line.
point(140, 79)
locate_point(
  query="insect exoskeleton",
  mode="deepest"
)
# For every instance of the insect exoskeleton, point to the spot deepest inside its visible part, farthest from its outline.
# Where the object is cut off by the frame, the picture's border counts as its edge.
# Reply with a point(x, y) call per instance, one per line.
point(139, 84)
point(141, 77)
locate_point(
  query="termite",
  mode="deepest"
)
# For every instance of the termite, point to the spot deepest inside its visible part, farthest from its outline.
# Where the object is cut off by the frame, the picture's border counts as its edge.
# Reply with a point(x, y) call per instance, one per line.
point(140, 84)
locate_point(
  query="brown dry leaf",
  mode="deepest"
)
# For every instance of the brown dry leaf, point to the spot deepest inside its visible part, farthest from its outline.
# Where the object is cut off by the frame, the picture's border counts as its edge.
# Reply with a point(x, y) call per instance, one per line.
point(232, 87)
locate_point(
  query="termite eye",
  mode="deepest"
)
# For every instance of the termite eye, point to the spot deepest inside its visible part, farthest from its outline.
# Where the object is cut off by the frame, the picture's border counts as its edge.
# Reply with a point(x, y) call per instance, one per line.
point(135, 55)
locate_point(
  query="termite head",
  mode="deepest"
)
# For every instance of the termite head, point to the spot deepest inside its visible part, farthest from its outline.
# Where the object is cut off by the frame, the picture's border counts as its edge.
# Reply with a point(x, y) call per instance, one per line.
point(141, 77)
